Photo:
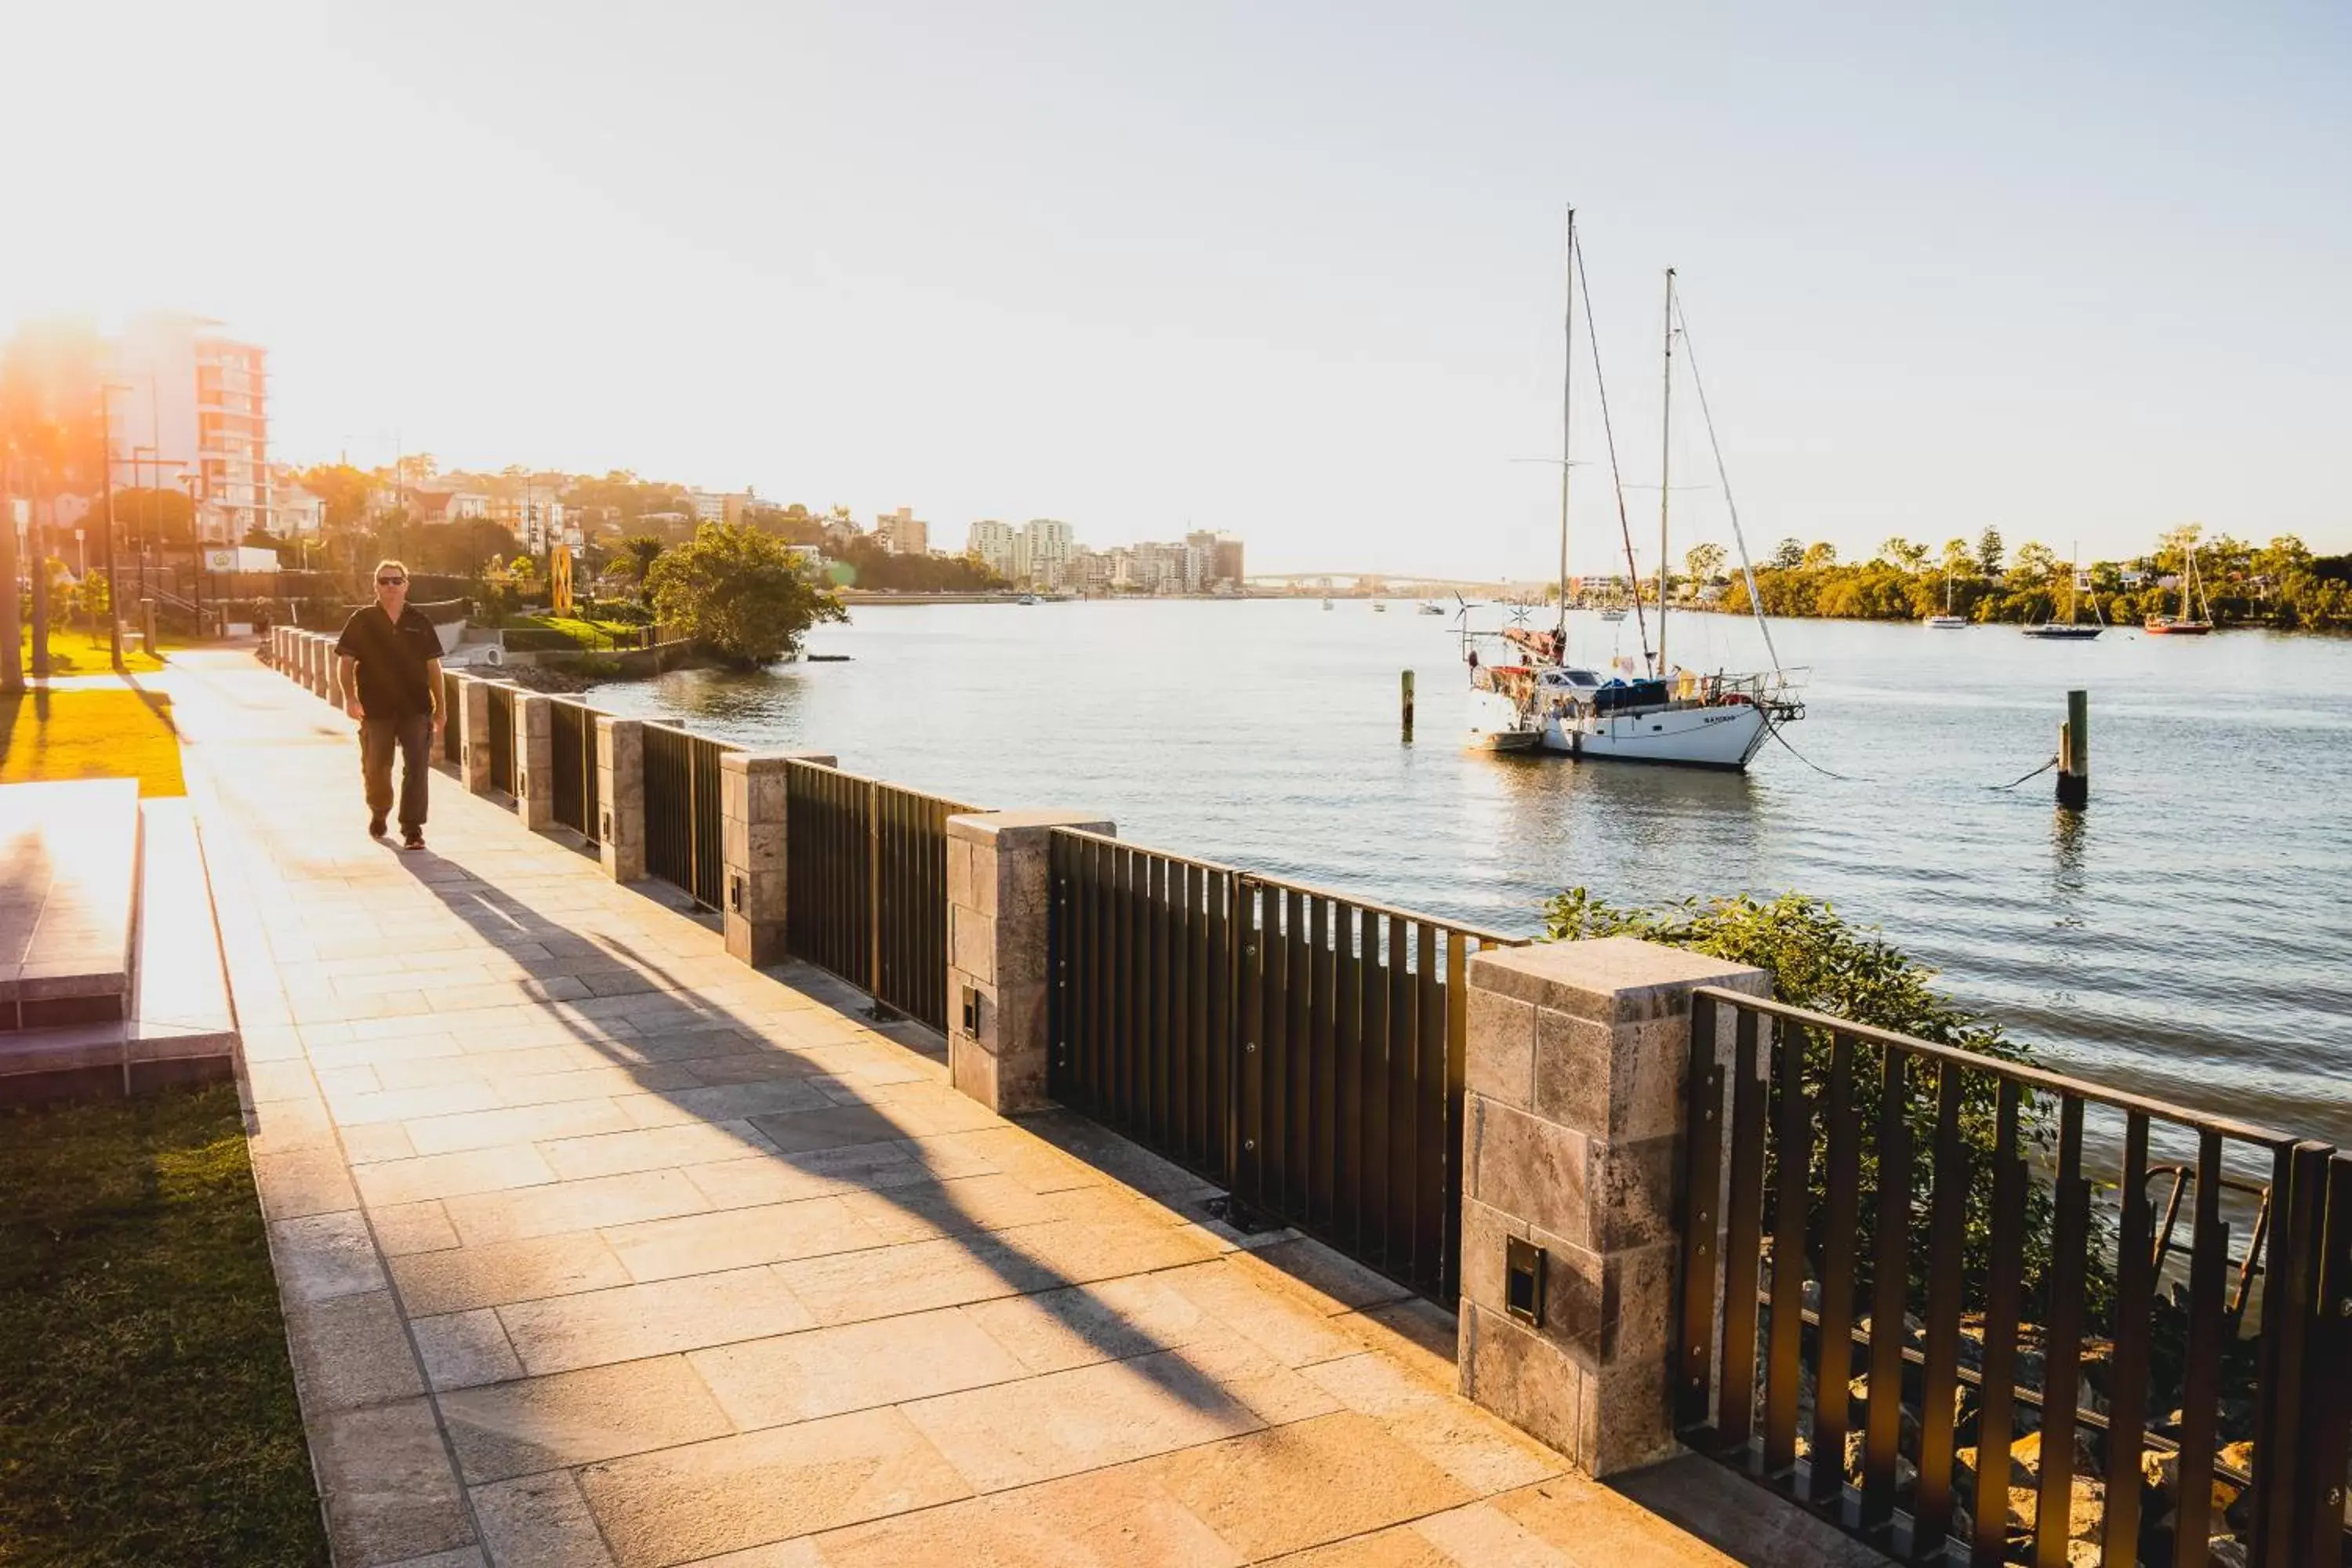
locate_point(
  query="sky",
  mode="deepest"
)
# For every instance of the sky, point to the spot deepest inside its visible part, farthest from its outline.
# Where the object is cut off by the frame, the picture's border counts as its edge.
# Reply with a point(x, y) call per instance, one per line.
point(1288, 270)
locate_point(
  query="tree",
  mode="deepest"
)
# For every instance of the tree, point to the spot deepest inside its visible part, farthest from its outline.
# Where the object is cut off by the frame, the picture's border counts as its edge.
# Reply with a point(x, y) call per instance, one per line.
point(636, 556)
point(1789, 555)
point(1818, 556)
point(1988, 552)
point(343, 490)
point(1957, 556)
point(1902, 553)
point(737, 592)
point(2035, 565)
point(1703, 562)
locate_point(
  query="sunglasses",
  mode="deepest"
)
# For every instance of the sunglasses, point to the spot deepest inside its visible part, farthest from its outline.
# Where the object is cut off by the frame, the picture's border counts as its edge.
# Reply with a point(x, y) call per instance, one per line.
point(390, 581)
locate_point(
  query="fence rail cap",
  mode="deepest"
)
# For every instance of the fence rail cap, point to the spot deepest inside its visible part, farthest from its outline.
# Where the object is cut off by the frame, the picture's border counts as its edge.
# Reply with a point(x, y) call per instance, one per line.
point(984, 826)
point(2029, 1077)
point(1623, 971)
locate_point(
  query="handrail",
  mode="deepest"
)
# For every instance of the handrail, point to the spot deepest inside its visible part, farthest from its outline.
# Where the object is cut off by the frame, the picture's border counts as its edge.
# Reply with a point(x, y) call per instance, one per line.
point(1371, 906)
point(2033, 1077)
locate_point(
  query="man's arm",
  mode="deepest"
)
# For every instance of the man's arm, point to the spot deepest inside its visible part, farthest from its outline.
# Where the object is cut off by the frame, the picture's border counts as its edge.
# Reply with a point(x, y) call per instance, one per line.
point(434, 684)
point(347, 684)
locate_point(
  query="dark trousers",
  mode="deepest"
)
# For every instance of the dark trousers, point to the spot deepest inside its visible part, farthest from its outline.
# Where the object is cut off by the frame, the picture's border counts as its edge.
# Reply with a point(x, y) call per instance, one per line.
point(414, 737)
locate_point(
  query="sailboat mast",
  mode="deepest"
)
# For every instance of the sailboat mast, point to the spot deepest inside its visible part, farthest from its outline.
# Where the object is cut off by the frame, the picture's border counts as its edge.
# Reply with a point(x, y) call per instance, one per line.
point(1567, 390)
point(1665, 462)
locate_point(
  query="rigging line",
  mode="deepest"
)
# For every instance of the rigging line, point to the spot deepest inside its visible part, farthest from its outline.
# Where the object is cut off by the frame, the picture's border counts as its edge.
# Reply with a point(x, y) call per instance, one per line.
point(1746, 570)
point(1616, 481)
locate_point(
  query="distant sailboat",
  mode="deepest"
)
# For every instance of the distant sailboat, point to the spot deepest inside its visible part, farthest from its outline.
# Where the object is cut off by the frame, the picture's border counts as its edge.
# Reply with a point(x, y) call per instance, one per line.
point(2070, 630)
point(2185, 625)
point(1948, 622)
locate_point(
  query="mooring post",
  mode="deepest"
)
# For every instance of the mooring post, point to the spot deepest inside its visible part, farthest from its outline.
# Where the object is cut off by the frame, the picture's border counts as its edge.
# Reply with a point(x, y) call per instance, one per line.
point(2075, 752)
point(1408, 705)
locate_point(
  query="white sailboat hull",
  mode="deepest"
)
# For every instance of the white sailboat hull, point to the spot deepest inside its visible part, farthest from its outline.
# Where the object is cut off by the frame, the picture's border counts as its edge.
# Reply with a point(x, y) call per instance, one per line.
point(1715, 737)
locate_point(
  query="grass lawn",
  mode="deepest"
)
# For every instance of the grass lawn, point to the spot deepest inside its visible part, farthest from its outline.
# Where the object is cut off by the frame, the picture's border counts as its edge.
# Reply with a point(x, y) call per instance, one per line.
point(147, 1410)
point(90, 733)
point(73, 652)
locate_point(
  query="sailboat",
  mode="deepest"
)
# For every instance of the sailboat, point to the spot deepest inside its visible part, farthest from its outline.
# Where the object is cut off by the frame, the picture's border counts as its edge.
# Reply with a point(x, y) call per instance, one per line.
point(1649, 712)
point(2070, 630)
point(2185, 625)
point(1948, 622)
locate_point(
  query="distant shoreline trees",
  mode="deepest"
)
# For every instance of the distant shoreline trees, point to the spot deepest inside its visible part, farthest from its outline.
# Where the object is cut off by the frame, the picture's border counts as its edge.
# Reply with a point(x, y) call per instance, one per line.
point(2281, 584)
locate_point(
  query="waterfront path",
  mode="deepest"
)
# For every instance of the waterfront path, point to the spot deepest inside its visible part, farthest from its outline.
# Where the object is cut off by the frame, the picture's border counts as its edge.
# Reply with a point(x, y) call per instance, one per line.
point(597, 1246)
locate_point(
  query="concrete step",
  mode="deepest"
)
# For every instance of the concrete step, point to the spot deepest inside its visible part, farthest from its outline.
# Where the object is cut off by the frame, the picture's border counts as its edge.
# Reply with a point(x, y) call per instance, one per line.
point(181, 1027)
point(68, 901)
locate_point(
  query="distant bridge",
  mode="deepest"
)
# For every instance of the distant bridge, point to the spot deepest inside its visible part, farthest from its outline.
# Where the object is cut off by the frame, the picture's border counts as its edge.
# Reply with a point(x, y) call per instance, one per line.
point(1393, 582)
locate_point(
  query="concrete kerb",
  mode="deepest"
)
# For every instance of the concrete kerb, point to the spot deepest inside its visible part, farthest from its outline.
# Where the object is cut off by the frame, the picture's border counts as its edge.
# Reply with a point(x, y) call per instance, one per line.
point(1576, 1063)
point(998, 920)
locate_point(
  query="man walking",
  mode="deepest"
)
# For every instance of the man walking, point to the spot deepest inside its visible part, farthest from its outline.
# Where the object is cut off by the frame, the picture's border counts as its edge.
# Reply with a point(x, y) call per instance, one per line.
point(388, 673)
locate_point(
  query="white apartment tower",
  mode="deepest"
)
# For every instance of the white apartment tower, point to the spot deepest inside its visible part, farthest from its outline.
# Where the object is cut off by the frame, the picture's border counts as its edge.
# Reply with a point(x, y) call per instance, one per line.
point(997, 546)
point(1047, 544)
point(194, 405)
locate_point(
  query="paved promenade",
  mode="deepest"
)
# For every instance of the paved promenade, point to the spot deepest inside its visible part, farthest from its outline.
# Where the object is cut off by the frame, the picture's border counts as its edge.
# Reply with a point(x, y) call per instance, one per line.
point(599, 1247)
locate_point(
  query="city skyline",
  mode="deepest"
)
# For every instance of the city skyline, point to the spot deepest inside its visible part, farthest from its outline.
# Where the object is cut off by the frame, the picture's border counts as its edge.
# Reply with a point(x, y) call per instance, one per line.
point(2073, 275)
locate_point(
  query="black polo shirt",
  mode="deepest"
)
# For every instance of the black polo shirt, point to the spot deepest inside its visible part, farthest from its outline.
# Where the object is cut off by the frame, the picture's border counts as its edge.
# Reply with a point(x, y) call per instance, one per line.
point(392, 661)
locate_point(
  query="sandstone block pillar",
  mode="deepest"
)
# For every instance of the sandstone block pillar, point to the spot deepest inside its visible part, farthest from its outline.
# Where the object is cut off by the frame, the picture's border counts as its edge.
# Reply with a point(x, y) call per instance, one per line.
point(1572, 1143)
point(751, 794)
point(322, 667)
point(998, 892)
point(473, 719)
point(534, 761)
point(313, 647)
point(621, 798)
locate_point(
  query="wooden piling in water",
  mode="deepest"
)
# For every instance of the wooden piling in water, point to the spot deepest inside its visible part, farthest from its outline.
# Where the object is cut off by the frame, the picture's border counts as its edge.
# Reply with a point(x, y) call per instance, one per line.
point(1408, 704)
point(2075, 752)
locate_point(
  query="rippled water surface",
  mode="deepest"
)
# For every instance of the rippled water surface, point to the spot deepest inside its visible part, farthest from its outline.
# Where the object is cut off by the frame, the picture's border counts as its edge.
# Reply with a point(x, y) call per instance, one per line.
point(2190, 936)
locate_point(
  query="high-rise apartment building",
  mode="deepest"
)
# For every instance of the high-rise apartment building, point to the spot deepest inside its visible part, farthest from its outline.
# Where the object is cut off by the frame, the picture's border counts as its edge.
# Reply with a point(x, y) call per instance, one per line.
point(1049, 544)
point(997, 546)
point(193, 404)
point(901, 532)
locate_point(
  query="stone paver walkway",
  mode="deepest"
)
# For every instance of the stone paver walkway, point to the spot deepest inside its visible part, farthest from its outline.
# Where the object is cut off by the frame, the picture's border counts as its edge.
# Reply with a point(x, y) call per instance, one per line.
point(598, 1248)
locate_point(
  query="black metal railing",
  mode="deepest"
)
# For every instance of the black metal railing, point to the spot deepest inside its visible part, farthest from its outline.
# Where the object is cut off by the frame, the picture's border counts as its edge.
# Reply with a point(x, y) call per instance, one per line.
point(452, 730)
point(1301, 1047)
point(1911, 1239)
point(681, 802)
point(502, 738)
point(571, 734)
point(867, 894)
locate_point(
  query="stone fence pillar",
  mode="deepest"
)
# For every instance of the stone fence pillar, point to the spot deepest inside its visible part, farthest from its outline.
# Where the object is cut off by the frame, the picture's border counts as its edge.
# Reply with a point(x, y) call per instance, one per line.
point(473, 718)
point(1573, 1145)
point(621, 798)
point(534, 761)
point(307, 663)
point(998, 907)
point(751, 791)
point(322, 667)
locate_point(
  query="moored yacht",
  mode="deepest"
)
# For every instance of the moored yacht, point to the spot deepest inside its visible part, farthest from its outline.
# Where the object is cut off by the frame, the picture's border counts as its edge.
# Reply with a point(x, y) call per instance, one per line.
point(1649, 711)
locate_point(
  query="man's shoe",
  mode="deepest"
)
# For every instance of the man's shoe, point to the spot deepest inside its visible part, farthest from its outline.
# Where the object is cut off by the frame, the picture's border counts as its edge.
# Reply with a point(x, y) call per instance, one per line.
point(412, 839)
point(375, 827)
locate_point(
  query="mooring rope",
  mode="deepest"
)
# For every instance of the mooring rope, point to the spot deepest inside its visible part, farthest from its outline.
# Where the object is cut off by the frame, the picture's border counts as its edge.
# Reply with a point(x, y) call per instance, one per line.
point(2034, 774)
point(1774, 730)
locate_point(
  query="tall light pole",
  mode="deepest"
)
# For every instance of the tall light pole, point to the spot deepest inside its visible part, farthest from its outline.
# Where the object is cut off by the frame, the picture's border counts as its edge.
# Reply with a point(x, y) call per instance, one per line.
point(106, 540)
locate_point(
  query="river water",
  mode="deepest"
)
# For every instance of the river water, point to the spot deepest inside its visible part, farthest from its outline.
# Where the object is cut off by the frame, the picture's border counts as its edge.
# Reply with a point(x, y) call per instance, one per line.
point(2190, 936)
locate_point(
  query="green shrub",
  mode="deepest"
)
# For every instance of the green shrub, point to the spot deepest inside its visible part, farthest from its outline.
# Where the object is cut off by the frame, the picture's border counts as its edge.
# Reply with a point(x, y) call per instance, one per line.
point(1819, 961)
